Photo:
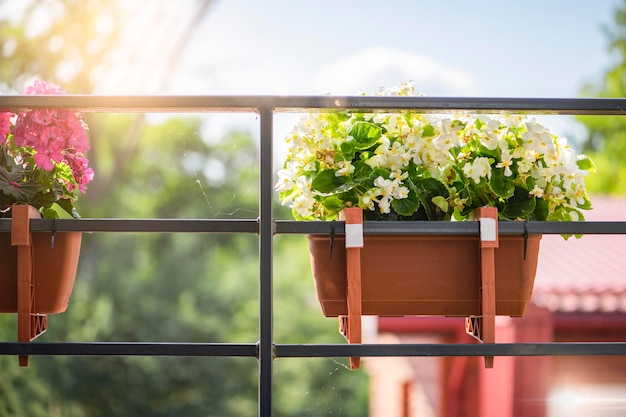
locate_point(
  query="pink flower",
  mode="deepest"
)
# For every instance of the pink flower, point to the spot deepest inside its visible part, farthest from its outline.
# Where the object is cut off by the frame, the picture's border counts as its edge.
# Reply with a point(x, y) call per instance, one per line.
point(43, 161)
point(82, 173)
point(5, 126)
point(52, 133)
point(75, 131)
point(42, 87)
point(42, 117)
point(48, 145)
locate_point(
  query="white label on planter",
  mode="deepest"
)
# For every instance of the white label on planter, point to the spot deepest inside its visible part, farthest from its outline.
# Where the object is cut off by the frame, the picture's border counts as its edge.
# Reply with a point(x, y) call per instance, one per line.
point(488, 229)
point(354, 235)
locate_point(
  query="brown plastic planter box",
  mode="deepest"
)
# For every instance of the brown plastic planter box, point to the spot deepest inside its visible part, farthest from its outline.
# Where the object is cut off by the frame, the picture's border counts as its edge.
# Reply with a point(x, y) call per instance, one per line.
point(54, 271)
point(408, 275)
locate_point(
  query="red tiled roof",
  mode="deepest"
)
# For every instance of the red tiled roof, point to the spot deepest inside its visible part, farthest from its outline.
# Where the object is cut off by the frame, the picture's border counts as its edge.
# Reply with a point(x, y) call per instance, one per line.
point(587, 274)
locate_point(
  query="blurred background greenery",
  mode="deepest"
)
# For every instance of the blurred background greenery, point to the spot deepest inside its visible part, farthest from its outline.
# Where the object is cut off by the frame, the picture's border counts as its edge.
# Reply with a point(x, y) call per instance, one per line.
point(188, 287)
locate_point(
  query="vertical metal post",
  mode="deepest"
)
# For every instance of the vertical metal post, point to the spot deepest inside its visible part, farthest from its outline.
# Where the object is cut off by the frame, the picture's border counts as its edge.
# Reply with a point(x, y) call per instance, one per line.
point(266, 229)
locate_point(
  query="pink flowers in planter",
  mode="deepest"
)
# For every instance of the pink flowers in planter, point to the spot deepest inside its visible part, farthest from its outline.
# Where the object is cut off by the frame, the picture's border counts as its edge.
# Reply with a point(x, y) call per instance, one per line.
point(44, 155)
point(5, 124)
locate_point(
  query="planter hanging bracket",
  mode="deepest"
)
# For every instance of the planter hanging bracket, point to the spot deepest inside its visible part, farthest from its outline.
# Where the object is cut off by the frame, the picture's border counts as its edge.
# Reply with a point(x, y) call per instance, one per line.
point(350, 325)
point(482, 327)
point(30, 325)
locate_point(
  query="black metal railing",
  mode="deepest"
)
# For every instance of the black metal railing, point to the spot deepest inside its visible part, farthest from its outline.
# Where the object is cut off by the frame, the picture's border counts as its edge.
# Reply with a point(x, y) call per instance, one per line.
point(266, 350)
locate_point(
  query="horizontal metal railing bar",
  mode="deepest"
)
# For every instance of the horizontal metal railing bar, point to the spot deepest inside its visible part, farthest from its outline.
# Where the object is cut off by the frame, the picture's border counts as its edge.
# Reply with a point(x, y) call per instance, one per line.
point(583, 227)
point(313, 350)
point(312, 227)
point(129, 349)
point(461, 349)
point(453, 228)
point(140, 225)
point(199, 103)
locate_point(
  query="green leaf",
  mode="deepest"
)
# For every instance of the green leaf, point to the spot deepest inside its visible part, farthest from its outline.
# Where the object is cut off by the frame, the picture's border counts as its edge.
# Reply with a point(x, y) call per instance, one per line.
point(12, 185)
point(426, 190)
point(49, 213)
point(491, 153)
point(380, 172)
point(581, 216)
point(541, 209)
point(347, 150)
point(365, 135)
point(441, 202)
point(361, 170)
point(406, 206)
point(326, 182)
point(333, 203)
point(586, 205)
point(65, 209)
point(345, 187)
point(432, 187)
point(500, 184)
point(428, 131)
point(520, 205)
point(585, 163)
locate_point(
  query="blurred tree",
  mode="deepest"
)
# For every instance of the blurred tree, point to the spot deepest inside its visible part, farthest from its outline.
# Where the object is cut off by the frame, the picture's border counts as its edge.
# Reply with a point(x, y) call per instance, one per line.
point(606, 139)
point(111, 46)
point(162, 287)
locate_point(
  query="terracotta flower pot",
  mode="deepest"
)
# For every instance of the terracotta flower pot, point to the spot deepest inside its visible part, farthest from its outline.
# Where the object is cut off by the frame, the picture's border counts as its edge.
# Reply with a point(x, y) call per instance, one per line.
point(405, 275)
point(54, 271)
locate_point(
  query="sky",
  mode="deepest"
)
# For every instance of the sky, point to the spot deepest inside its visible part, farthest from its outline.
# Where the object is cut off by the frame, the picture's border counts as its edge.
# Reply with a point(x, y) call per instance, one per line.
point(488, 48)
point(534, 48)
point(454, 47)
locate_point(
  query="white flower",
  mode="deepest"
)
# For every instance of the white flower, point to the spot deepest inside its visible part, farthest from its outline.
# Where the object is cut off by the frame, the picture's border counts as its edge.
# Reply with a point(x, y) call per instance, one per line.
point(345, 168)
point(545, 144)
point(398, 175)
point(524, 166)
point(303, 206)
point(386, 190)
point(401, 192)
point(448, 138)
point(387, 155)
point(367, 200)
point(506, 162)
point(538, 138)
point(536, 192)
point(384, 205)
point(385, 186)
point(479, 169)
point(304, 184)
point(398, 125)
point(286, 177)
point(492, 135)
point(376, 161)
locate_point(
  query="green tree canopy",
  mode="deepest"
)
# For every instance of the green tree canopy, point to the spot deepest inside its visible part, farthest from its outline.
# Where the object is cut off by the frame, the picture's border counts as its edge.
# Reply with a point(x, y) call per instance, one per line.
point(606, 138)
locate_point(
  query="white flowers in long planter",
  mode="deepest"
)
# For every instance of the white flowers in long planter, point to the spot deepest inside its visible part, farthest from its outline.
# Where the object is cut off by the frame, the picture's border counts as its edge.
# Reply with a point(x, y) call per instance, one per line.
point(412, 166)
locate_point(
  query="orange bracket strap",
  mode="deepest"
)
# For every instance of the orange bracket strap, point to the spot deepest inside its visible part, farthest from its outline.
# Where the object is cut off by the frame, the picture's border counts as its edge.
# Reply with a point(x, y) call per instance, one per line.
point(354, 242)
point(483, 327)
point(29, 324)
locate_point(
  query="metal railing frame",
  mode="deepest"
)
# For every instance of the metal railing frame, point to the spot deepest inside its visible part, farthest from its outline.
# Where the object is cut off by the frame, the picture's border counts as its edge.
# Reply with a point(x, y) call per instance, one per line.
point(266, 226)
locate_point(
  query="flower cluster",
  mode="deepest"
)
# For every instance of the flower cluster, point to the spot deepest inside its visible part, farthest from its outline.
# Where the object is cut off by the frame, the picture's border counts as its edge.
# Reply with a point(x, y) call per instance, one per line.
point(411, 166)
point(43, 156)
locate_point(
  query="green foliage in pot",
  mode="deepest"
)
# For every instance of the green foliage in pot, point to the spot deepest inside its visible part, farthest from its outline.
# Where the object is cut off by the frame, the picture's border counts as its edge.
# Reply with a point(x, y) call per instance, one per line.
point(412, 166)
